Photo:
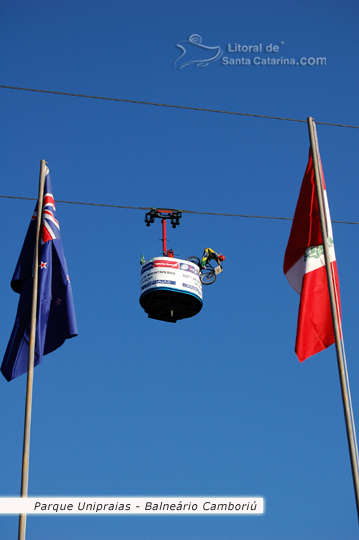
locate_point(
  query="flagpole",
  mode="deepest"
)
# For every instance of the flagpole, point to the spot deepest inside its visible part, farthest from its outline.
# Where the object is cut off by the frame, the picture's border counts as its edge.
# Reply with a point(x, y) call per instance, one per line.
point(337, 334)
point(30, 372)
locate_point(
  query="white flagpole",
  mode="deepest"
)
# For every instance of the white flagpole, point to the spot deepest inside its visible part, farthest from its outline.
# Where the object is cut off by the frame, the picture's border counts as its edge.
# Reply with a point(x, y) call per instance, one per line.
point(30, 371)
point(350, 427)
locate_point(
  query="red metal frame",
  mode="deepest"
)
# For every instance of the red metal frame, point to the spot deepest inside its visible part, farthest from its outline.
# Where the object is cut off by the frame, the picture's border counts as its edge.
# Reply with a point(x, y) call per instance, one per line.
point(164, 237)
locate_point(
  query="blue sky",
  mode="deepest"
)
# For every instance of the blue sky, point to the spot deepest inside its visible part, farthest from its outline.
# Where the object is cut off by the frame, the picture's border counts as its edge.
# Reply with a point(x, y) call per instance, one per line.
point(217, 404)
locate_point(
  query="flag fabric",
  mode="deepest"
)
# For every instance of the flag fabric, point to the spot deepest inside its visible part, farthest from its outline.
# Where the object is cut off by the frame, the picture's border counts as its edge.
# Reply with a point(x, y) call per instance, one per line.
point(56, 320)
point(304, 267)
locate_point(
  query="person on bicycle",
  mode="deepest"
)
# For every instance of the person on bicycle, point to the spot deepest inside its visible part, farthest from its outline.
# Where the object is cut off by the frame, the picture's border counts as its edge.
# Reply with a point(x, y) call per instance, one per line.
point(210, 254)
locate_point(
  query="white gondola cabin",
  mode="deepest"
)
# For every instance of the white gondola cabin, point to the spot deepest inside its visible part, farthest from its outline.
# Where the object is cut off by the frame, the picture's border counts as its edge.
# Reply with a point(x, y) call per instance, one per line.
point(171, 289)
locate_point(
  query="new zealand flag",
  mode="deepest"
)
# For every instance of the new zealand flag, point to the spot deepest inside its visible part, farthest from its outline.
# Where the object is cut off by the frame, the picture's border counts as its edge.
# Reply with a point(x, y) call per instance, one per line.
point(55, 314)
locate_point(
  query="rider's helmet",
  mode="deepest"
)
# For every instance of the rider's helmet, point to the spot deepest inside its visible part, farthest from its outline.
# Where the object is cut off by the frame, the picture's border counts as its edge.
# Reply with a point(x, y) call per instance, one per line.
point(221, 257)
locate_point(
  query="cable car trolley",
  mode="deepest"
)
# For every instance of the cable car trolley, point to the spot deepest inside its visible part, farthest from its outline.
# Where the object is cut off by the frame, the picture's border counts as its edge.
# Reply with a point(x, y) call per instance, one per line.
point(171, 288)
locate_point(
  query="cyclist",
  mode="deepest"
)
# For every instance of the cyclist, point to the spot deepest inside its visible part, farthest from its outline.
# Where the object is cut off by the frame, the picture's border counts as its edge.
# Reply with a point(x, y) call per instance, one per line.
point(210, 254)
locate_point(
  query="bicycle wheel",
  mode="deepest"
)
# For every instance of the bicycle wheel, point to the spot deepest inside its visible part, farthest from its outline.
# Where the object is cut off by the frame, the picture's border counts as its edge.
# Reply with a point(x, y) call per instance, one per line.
point(194, 260)
point(207, 278)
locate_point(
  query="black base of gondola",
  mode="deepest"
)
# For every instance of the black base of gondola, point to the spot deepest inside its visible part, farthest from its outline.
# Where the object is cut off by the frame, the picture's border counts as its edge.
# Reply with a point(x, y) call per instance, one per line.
point(169, 305)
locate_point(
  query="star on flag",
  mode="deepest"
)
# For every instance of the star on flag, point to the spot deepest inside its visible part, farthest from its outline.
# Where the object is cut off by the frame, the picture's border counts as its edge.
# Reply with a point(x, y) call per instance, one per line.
point(43, 265)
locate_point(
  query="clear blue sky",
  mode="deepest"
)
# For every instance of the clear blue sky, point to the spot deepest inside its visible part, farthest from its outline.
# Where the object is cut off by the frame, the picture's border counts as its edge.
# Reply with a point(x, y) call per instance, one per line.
point(217, 404)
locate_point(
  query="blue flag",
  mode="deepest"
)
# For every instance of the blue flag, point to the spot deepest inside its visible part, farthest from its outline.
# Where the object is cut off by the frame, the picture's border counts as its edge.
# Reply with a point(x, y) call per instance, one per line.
point(55, 315)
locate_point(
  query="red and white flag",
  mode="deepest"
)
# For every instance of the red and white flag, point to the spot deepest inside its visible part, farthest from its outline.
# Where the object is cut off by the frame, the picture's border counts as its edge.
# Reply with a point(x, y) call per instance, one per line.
point(304, 267)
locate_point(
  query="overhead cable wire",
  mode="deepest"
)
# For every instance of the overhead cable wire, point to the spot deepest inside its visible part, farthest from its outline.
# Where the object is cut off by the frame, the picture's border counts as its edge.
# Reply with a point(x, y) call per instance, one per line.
point(148, 208)
point(171, 106)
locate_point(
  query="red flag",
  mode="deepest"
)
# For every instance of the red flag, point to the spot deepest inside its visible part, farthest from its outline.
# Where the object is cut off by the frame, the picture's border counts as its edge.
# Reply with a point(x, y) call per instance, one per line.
point(304, 267)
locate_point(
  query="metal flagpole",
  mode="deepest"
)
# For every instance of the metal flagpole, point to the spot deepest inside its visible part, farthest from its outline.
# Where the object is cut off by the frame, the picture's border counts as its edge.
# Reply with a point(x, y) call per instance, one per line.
point(30, 371)
point(319, 190)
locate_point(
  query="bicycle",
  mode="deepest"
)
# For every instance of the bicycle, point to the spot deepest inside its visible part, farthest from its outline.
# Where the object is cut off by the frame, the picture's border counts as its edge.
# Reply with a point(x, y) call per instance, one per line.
point(208, 275)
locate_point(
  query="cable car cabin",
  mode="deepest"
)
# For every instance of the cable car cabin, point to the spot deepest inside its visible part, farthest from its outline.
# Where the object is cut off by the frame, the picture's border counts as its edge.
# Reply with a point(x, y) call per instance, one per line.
point(171, 289)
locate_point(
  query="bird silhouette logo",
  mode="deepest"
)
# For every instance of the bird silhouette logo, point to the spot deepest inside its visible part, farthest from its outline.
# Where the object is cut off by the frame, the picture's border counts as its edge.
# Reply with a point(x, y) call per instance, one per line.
point(196, 53)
